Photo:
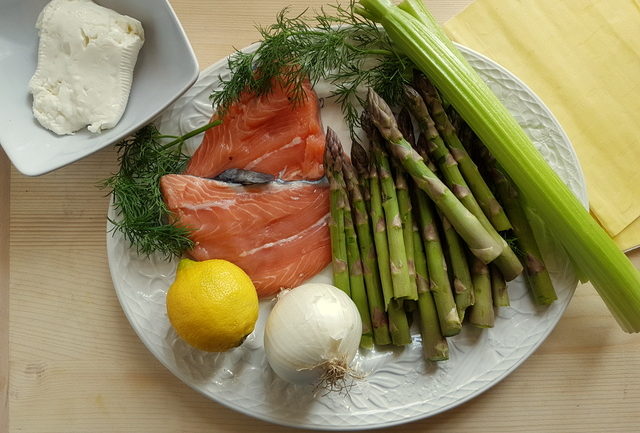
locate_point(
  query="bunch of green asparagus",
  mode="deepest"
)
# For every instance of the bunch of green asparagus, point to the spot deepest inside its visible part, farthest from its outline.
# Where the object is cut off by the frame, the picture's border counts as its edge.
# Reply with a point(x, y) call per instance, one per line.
point(418, 226)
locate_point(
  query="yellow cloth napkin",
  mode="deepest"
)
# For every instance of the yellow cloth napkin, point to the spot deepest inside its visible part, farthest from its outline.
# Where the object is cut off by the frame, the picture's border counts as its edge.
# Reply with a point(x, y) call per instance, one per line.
point(582, 57)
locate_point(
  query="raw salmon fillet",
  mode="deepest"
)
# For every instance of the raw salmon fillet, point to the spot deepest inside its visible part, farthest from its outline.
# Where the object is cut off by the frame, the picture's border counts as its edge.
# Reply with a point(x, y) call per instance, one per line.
point(277, 232)
point(267, 134)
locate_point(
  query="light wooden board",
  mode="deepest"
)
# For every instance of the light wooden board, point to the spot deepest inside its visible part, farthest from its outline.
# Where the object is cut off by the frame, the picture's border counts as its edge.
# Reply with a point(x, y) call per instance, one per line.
point(76, 366)
point(4, 289)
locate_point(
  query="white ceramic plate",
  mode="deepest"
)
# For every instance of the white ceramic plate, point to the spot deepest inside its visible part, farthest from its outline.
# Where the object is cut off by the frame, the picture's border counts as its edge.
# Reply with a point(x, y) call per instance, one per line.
point(399, 385)
point(165, 69)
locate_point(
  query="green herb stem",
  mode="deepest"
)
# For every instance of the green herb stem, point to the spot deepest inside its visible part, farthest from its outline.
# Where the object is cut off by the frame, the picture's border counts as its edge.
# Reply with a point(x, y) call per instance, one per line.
point(142, 216)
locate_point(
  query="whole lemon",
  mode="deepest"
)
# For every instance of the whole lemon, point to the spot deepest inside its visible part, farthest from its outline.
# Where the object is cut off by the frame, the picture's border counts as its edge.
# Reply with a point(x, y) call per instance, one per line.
point(212, 305)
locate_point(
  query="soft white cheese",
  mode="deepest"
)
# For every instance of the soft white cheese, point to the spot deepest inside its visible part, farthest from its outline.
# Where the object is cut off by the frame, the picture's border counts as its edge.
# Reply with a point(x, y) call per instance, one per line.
point(85, 66)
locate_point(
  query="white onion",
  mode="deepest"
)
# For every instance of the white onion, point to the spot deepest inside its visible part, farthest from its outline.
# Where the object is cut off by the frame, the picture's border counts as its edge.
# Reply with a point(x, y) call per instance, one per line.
point(312, 334)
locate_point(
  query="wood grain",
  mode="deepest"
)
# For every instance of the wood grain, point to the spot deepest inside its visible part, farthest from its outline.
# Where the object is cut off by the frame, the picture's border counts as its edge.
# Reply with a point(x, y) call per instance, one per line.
point(4, 290)
point(76, 366)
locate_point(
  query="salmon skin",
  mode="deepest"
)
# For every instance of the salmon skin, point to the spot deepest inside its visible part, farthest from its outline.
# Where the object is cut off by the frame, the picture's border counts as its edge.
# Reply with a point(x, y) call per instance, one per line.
point(276, 232)
point(244, 177)
point(265, 133)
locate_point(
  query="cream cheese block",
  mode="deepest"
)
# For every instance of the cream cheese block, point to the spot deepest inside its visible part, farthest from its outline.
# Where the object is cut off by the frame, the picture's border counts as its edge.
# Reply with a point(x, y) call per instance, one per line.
point(86, 57)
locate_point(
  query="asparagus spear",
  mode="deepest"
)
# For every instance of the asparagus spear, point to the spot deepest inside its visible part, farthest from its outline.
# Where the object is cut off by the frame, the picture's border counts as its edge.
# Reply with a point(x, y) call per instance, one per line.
point(476, 182)
point(356, 280)
point(398, 324)
point(439, 284)
point(404, 208)
point(498, 288)
point(457, 122)
point(508, 262)
point(461, 276)
point(535, 270)
point(336, 228)
point(404, 203)
point(360, 162)
point(480, 242)
point(405, 126)
point(455, 252)
point(482, 314)
point(397, 253)
point(367, 250)
point(434, 345)
point(421, 147)
point(380, 235)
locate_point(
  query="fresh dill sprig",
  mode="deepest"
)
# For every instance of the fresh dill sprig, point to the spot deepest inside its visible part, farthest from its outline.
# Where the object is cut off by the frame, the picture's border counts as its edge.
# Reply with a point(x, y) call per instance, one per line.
point(142, 215)
point(341, 47)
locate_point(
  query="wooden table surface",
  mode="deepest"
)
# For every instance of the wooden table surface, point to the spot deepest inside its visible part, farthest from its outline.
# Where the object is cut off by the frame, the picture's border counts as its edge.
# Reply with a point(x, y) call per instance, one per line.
point(70, 362)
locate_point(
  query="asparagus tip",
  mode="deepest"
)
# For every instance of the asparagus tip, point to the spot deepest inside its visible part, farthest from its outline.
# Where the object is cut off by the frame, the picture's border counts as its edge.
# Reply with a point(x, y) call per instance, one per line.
point(382, 116)
point(359, 157)
point(405, 125)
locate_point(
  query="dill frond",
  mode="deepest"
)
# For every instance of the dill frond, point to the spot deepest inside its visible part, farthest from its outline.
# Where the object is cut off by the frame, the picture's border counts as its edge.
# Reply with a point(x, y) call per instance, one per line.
point(142, 215)
point(341, 47)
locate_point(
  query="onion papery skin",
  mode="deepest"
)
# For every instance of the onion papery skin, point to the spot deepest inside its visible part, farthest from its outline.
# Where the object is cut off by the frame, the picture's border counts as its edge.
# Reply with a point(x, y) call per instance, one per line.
point(308, 327)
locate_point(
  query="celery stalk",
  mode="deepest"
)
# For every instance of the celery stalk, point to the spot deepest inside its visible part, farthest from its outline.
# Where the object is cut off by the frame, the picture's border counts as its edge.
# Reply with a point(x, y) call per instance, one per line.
point(418, 36)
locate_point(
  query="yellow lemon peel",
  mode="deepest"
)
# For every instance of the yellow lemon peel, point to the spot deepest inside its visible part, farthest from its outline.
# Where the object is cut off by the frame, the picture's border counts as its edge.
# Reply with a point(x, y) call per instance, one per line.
point(212, 305)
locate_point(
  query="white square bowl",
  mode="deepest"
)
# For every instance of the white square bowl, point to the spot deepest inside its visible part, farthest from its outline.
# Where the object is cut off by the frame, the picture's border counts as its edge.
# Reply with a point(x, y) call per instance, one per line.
point(166, 68)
